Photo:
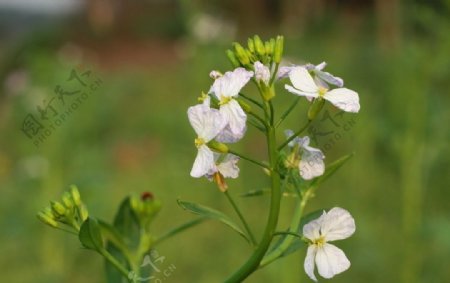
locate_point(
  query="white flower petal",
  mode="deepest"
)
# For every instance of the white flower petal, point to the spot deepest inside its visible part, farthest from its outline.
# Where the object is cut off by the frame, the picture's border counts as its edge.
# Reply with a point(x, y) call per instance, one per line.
point(235, 117)
point(206, 122)
point(329, 78)
point(204, 162)
point(308, 95)
point(309, 262)
point(214, 74)
point(331, 260)
point(302, 80)
point(311, 230)
point(311, 163)
point(262, 73)
point(227, 136)
point(337, 224)
point(321, 66)
point(283, 72)
point(343, 98)
point(228, 167)
point(289, 133)
point(231, 83)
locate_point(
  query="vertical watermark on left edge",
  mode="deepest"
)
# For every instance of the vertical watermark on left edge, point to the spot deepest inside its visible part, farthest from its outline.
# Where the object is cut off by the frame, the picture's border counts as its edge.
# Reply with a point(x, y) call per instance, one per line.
point(153, 269)
point(51, 114)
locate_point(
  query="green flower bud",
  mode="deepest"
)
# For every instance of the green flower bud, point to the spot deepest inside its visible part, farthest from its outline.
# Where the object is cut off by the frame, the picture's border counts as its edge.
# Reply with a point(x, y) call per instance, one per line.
point(247, 108)
point(136, 204)
point(44, 218)
point(241, 54)
point(217, 146)
point(267, 92)
point(83, 212)
point(67, 200)
point(251, 45)
point(75, 195)
point(259, 46)
point(58, 208)
point(278, 52)
point(315, 108)
point(232, 57)
point(271, 47)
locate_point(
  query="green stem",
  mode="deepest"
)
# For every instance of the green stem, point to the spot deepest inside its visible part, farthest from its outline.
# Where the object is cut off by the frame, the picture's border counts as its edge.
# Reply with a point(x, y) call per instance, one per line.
point(288, 111)
point(253, 262)
point(251, 100)
point(295, 223)
point(116, 264)
point(249, 159)
point(295, 135)
point(261, 120)
point(238, 212)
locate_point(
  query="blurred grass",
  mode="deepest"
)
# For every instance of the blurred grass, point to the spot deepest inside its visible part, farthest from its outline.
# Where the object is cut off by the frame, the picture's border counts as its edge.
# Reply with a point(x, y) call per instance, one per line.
point(132, 135)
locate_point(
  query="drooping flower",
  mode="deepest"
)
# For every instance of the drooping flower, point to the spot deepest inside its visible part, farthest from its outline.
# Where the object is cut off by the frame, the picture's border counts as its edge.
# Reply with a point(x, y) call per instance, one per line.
point(303, 84)
point(225, 89)
point(311, 163)
point(337, 224)
point(207, 123)
point(225, 167)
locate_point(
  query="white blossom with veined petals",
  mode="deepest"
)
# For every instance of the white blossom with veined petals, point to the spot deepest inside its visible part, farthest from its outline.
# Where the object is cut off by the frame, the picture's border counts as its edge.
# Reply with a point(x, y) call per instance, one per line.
point(303, 84)
point(321, 77)
point(311, 163)
point(337, 224)
point(207, 124)
point(225, 89)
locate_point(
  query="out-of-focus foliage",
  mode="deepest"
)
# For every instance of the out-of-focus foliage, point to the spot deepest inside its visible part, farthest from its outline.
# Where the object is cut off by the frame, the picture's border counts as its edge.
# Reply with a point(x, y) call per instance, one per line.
point(132, 135)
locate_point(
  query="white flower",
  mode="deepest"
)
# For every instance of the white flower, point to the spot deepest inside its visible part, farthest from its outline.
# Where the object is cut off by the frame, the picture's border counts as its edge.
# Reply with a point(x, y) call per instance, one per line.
point(311, 163)
point(225, 88)
point(262, 73)
point(207, 123)
point(225, 165)
point(337, 224)
point(304, 85)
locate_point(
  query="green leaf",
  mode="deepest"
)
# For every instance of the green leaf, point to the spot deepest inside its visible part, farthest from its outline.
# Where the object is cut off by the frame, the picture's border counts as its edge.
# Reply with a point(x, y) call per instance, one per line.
point(255, 193)
point(212, 214)
point(179, 229)
point(90, 235)
point(122, 237)
point(330, 170)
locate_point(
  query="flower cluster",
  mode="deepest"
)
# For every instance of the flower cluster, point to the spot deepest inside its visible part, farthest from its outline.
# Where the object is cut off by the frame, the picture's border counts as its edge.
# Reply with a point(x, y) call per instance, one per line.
point(221, 118)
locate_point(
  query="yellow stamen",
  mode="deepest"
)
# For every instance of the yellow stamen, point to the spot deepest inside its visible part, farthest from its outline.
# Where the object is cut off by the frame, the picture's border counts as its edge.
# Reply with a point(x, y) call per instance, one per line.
point(225, 100)
point(199, 142)
point(319, 242)
point(322, 91)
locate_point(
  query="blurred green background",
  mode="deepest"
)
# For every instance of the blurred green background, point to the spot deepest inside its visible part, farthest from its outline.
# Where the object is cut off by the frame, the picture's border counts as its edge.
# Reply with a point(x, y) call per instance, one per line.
point(132, 134)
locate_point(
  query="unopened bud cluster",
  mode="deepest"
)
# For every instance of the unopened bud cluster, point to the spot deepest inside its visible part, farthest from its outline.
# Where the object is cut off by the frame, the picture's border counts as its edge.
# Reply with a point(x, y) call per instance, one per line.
point(68, 212)
point(267, 52)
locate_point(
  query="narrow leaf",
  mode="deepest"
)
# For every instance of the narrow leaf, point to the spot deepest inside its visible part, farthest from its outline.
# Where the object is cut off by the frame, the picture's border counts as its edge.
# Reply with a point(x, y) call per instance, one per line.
point(212, 214)
point(255, 193)
point(179, 229)
point(330, 170)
